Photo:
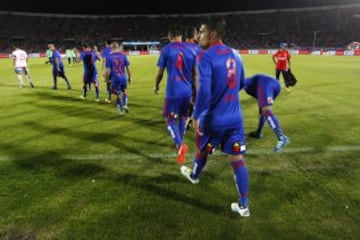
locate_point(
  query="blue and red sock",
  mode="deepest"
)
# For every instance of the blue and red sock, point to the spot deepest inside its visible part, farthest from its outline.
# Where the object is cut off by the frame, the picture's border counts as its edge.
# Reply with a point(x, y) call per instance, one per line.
point(182, 126)
point(273, 123)
point(241, 180)
point(198, 165)
point(174, 132)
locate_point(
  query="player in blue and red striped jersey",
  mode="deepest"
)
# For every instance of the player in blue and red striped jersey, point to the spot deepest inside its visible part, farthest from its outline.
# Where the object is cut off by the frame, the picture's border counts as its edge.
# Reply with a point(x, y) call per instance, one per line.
point(89, 58)
point(104, 53)
point(265, 89)
point(180, 63)
point(190, 40)
point(218, 120)
point(58, 67)
point(118, 73)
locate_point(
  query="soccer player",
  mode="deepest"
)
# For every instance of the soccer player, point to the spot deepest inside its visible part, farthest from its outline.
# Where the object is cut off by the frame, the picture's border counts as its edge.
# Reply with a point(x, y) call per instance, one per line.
point(218, 120)
point(89, 58)
point(281, 59)
point(73, 54)
point(98, 54)
point(180, 63)
point(116, 65)
point(20, 59)
point(69, 56)
point(104, 54)
point(190, 41)
point(96, 51)
point(49, 56)
point(58, 67)
point(265, 89)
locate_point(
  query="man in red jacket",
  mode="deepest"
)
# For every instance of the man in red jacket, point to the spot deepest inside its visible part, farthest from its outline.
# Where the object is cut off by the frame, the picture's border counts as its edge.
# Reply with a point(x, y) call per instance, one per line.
point(281, 60)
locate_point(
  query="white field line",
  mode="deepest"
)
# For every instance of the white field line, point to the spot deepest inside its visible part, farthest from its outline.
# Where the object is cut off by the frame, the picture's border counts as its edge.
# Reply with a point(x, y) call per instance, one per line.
point(130, 156)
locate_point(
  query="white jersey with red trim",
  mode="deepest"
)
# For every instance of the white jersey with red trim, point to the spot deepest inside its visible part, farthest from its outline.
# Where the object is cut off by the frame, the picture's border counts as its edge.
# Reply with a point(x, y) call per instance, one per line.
point(20, 57)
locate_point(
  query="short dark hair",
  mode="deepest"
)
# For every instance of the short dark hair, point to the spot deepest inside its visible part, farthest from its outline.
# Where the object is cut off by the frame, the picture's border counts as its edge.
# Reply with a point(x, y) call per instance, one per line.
point(190, 31)
point(216, 24)
point(175, 30)
point(86, 45)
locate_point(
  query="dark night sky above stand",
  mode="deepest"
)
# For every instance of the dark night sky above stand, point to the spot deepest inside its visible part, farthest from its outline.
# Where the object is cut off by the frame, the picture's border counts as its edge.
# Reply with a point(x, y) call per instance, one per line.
point(123, 7)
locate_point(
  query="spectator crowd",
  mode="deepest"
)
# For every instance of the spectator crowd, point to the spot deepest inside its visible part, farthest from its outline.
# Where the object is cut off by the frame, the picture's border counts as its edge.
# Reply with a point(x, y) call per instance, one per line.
point(330, 28)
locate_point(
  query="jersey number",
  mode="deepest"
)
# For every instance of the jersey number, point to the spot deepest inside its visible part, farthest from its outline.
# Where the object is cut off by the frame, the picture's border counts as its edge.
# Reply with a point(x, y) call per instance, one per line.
point(231, 73)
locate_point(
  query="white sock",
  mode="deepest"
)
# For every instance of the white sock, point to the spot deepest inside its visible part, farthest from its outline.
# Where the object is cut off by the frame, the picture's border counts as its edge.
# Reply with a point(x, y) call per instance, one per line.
point(20, 80)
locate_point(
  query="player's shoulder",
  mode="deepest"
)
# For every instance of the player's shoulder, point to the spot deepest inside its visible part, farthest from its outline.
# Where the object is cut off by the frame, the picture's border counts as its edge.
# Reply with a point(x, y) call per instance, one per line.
point(123, 54)
point(106, 50)
point(167, 47)
point(191, 48)
point(236, 53)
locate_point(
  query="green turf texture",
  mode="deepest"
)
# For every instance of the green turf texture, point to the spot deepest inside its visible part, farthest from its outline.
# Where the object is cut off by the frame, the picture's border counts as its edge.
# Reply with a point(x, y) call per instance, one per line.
point(72, 169)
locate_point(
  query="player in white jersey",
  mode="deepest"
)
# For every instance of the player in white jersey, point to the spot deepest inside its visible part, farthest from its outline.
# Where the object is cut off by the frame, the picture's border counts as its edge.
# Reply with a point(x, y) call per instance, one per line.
point(20, 59)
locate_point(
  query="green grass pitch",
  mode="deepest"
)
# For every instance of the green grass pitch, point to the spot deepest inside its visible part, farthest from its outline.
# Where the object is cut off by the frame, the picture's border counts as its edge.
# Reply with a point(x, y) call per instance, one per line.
point(72, 169)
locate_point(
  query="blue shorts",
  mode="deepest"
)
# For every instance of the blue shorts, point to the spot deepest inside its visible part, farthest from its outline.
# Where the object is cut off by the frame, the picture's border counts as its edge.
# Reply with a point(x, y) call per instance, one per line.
point(231, 140)
point(175, 107)
point(118, 87)
point(90, 77)
point(59, 72)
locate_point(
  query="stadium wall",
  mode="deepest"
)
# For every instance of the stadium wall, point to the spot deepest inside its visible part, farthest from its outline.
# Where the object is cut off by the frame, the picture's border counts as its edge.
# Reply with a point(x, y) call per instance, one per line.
point(241, 51)
point(301, 52)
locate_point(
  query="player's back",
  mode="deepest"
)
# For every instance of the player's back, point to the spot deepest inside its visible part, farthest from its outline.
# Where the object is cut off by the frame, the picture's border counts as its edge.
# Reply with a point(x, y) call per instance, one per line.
point(20, 58)
point(105, 52)
point(117, 62)
point(179, 60)
point(227, 78)
point(88, 61)
point(194, 46)
point(259, 83)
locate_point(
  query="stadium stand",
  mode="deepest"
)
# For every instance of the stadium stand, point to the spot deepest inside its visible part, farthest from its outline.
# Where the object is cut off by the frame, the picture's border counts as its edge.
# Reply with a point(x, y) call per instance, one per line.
point(330, 28)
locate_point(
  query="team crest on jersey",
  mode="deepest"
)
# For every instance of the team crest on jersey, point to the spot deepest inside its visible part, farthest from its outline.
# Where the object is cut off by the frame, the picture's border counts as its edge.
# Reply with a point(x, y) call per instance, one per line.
point(270, 100)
